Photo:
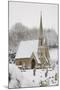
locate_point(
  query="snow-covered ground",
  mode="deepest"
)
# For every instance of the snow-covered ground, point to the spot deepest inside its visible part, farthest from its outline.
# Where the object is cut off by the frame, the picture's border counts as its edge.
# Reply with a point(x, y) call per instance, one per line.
point(42, 77)
point(53, 54)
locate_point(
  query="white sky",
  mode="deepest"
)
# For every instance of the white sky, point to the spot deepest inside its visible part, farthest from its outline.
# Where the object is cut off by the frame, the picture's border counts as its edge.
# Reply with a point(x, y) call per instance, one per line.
point(29, 15)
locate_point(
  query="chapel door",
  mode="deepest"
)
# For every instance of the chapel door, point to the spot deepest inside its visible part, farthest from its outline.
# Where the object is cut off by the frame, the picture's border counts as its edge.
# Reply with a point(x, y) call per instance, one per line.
point(32, 64)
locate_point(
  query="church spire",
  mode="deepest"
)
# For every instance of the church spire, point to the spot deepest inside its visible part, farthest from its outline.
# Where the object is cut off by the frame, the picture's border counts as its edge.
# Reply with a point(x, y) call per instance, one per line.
point(41, 32)
point(43, 53)
point(41, 27)
point(40, 35)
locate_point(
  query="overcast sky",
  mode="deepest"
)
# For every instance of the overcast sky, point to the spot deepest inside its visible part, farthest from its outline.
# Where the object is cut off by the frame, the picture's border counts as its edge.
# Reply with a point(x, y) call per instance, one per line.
point(29, 15)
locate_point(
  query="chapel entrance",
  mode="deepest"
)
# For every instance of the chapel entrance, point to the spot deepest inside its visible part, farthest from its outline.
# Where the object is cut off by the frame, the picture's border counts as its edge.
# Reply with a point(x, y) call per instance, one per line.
point(32, 64)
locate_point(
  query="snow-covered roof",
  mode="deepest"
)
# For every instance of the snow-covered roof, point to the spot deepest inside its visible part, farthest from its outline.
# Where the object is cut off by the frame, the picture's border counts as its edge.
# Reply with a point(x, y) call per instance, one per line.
point(37, 58)
point(26, 48)
point(35, 55)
